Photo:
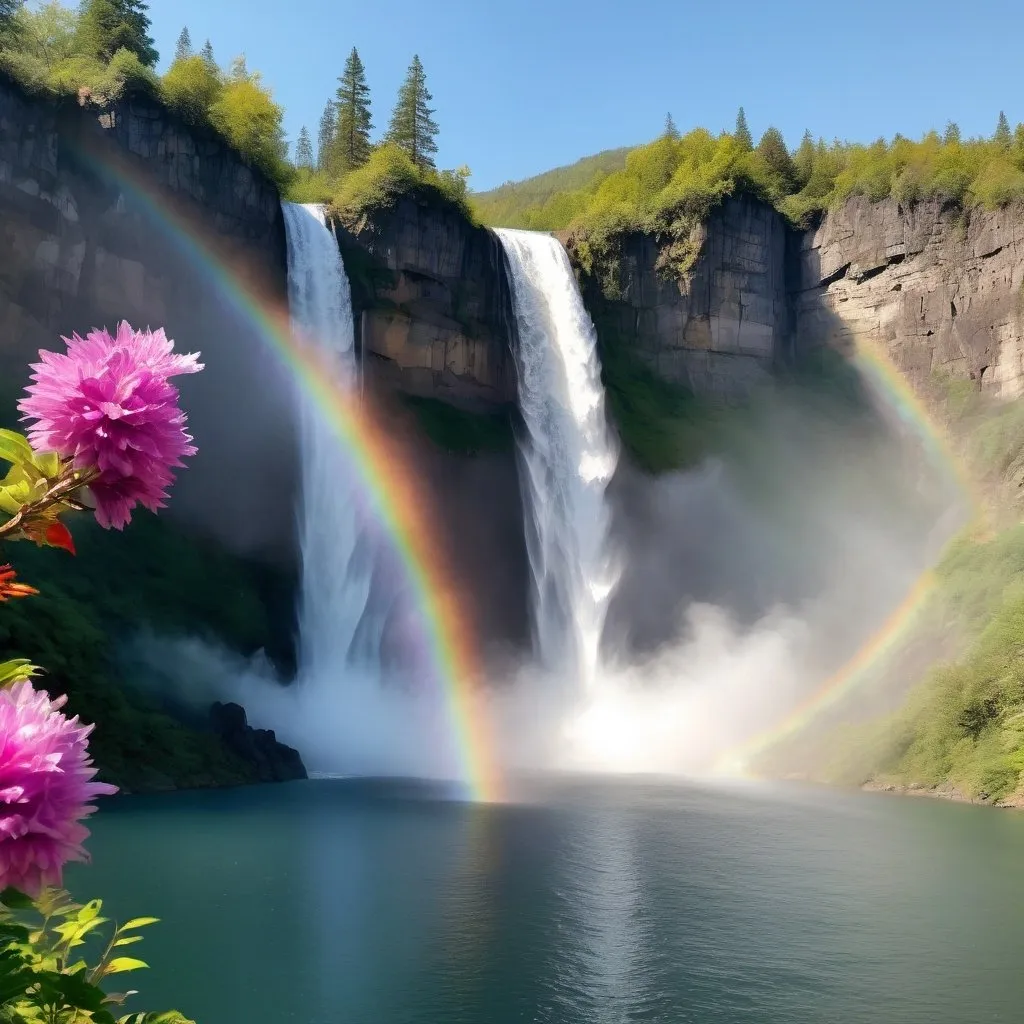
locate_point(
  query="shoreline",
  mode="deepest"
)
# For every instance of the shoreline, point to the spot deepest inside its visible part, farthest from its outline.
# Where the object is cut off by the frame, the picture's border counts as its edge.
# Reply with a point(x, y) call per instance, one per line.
point(945, 791)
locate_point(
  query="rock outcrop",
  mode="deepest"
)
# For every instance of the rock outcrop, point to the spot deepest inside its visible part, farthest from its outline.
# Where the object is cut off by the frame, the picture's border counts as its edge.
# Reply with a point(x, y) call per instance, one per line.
point(940, 290)
point(432, 303)
point(719, 328)
point(271, 760)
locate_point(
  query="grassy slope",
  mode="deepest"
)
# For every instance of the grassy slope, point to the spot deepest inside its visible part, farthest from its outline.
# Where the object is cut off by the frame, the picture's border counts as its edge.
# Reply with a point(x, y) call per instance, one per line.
point(963, 724)
point(511, 204)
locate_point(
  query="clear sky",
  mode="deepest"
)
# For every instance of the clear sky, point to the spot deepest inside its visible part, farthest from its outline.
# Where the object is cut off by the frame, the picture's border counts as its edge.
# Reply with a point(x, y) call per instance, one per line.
point(521, 86)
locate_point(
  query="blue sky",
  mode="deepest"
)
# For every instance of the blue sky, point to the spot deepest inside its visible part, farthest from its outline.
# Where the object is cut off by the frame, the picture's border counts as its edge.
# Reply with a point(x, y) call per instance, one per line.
point(525, 85)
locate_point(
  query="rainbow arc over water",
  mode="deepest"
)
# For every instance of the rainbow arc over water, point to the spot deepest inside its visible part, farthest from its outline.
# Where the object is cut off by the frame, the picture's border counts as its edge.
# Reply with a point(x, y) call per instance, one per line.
point(892, 388)
point(387, 477)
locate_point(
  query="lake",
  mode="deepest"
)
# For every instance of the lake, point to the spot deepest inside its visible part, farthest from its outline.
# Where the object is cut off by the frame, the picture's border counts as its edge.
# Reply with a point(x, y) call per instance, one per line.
point(603, 900)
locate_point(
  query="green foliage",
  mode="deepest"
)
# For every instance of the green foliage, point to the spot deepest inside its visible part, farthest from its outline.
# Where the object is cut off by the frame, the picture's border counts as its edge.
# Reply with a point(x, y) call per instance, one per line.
point(245, 113)
point(325, 135)
point(412, 126)
point(668, 186)
point(670, 131)
point(349, 145)
point(183, 49)
point(546, 202)
point(304, 158)
point(44, 974)
point(389, 175)
point(179, 585)
point(106, 26)
point(742, 133)
point(191, 88)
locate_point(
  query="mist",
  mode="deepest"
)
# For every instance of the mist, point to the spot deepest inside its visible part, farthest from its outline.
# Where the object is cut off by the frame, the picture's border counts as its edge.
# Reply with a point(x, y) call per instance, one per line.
point(746, 582)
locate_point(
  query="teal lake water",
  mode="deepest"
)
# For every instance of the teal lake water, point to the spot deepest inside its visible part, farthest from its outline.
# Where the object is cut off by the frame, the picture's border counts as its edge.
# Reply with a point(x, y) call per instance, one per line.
point(604, 902)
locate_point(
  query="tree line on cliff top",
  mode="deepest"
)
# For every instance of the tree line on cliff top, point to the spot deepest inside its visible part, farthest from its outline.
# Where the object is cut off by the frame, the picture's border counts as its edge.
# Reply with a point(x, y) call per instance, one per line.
point(664, 185)
point(103, 48)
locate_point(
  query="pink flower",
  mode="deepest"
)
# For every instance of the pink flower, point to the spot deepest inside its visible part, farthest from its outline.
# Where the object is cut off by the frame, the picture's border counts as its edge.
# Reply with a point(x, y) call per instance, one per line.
point(45, 788)
point(109, 405)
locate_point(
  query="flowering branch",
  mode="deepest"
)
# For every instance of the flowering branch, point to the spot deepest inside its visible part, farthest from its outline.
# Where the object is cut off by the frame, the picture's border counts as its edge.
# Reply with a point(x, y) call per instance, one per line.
point(104, 423)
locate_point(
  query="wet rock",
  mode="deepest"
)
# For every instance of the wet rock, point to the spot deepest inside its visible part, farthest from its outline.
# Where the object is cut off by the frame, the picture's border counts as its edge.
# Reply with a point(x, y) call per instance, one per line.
point(272, 760)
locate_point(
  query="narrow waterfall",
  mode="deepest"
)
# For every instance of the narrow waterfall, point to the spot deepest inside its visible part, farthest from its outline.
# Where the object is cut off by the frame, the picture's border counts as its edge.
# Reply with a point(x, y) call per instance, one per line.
point(338, 619)
point(567, 457)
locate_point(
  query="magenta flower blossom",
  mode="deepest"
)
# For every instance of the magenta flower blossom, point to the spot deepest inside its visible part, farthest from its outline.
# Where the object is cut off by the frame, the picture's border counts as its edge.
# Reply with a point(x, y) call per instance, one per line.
point(109, 405)
point(45, 788)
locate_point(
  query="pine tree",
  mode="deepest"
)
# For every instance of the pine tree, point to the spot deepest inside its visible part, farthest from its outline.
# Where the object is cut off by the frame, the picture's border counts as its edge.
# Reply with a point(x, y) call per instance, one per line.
point(352, 106)
point(412, 126)
point(671, 131)
point(951, 134)
point(8, 9)
point(325, 136)
point(772, 150)
point(207, 54)
point(304, 150)
point(184, 47)
point(1002, 136)
point(106, 26)
point(742, 132)
point(804, 159)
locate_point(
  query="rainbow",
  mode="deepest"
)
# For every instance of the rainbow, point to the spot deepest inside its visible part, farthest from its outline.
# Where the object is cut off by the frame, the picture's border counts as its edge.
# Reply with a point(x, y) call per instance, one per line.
point(876, 367)
point(386, 477)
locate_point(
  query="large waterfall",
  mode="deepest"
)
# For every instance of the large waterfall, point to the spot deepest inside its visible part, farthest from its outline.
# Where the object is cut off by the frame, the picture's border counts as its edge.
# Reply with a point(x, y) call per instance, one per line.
point(355, 708)
point(567, 457)
point(337, 574)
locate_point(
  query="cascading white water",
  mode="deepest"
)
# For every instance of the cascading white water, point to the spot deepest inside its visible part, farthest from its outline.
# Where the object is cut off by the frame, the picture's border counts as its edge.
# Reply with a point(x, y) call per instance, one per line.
point(567, 457)
point(337, 620)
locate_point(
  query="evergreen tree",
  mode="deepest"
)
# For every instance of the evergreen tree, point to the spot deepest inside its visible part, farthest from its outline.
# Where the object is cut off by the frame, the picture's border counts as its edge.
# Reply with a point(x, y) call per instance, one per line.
point(412, 126)
point(184, 47)
point(742, 132)
point(8, 9)
point(772, 150)
point(304, 150)
point(1002, 136)
point(325, 136)
point(951, 134)
point(106, 26)
point(351, 147)
point(207, 54)
point(803, 161)
point(671, 131)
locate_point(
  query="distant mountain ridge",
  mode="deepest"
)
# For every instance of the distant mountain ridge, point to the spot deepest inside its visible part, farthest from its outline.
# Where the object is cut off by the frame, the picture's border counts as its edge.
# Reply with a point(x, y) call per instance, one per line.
point(504, 206)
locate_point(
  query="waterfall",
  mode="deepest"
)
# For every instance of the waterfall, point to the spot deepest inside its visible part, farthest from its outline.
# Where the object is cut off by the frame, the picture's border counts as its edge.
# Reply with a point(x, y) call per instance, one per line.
point(340, 620)
point(567, 457)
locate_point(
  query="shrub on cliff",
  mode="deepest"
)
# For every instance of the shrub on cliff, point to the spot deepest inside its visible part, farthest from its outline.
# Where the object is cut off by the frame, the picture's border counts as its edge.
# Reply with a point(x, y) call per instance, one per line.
point(389, 175)
point(190, 88)
point(245, 113)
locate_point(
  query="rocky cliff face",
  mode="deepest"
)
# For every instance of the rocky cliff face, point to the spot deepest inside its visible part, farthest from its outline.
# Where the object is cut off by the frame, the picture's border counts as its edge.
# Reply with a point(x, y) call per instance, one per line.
point(718, 328)
point(941, 291)
point(432, 303)
point(97, 212)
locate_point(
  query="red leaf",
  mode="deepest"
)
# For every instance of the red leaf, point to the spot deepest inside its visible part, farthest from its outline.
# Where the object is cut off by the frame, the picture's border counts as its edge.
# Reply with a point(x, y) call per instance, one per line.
point(59, 536)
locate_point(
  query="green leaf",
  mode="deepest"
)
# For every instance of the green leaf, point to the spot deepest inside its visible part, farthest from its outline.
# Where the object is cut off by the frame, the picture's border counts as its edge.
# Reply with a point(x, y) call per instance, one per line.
point(90, 910)
point(13, 672)
point(137, 922)
point(11, 897)
point(48, 463)
point(124, 963)
point(15, 447)
point(8, 502)
point(128, 940)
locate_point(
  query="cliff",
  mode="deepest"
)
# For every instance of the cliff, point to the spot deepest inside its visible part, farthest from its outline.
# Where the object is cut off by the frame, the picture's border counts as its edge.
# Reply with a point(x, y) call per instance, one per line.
point(432, 304)
point(717, 329)
point(941, 290)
